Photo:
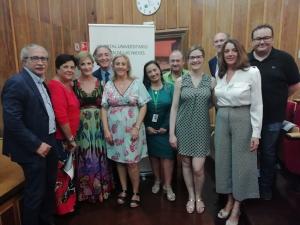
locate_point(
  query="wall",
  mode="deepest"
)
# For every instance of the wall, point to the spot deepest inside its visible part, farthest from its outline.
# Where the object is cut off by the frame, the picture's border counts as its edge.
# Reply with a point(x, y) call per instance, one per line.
point(57, 24)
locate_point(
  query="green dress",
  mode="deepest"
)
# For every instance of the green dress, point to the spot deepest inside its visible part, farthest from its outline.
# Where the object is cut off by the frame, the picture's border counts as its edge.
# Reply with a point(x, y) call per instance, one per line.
point(158, 144)
point(192, 121)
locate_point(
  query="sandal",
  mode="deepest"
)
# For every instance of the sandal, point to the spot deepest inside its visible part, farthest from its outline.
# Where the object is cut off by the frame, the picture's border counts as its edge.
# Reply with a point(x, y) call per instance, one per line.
point(122, 197)
point(190, 206)
point(222, 214)
point(200, 207)
point(236, 219)
point(135, 202)
point(170, 194)
point(156, 187)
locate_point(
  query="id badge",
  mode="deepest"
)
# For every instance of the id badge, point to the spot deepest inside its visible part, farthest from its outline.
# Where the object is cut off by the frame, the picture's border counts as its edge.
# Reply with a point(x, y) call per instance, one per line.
point(154, 118)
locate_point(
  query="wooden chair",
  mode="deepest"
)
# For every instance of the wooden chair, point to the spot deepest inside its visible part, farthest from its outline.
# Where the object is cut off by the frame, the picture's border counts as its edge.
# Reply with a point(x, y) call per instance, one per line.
point(11, 183)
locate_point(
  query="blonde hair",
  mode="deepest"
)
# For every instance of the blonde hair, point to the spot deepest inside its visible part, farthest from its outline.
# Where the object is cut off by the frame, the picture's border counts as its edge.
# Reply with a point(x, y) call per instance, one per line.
point(83, 55)
point(128, 65)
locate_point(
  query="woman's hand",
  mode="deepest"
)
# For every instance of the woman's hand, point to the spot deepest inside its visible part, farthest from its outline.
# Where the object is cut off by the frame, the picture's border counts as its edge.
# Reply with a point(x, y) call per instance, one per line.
point(134, 133)
point(71, 146)
point(108, 137)
point(162, 130)
point(254, 144)
point(151, 130)
point(173, 141)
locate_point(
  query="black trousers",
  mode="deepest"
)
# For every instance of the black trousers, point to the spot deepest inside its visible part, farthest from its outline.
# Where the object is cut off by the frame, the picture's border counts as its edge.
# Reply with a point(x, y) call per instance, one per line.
point(39, 196)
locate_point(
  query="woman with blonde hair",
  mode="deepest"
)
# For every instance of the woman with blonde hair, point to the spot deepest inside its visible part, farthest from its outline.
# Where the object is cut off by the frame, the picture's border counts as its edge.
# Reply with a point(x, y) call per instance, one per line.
point(123, 110)
point(94, 175)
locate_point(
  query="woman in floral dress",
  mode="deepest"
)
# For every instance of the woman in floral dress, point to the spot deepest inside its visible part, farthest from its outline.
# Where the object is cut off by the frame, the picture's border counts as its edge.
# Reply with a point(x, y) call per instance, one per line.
point(123, 110)
point(94, 177)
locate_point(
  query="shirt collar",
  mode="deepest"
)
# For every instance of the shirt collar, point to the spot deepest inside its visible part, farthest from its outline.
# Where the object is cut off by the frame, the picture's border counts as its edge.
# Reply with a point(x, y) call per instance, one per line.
point(35, 77)
point(251, 56)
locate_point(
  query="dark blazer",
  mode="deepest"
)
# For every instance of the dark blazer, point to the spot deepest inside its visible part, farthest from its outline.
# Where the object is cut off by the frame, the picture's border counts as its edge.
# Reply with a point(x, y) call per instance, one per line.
point(97, 74)
point(26, 122)
point(212, 65)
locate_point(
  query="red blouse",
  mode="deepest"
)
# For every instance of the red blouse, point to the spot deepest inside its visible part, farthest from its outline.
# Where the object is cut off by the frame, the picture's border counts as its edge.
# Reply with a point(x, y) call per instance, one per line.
point(66, 107)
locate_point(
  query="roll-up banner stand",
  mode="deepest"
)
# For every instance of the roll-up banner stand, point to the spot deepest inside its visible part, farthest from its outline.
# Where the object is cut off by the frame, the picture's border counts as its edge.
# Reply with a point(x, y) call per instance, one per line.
point(136, 41)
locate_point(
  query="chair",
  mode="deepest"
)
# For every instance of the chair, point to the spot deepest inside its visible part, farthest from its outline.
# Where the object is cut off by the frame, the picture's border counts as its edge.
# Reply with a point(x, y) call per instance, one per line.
point(11, 184)
point(290, 146)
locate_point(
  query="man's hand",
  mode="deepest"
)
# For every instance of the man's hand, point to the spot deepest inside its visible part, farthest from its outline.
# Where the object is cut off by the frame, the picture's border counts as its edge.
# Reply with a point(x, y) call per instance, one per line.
point(43, 150)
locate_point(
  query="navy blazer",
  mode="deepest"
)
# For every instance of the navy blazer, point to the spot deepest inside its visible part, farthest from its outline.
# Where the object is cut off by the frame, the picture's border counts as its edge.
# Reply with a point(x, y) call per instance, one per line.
point(212, 65)
point(26, 122)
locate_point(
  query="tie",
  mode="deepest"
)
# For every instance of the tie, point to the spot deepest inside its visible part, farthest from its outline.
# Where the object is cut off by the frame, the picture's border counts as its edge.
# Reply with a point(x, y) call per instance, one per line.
point(106, 76)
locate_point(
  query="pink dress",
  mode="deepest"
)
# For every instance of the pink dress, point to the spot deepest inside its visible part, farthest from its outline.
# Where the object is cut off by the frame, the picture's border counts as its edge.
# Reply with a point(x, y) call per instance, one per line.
point(122, 113)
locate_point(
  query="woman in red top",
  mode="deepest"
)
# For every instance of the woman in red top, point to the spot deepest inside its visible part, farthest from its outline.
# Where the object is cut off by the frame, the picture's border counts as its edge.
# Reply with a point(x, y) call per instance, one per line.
point(66, 109)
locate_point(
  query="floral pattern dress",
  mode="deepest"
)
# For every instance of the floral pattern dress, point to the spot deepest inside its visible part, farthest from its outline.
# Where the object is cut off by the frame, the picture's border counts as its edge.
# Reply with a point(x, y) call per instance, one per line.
point(94, 174)
point(122, 113)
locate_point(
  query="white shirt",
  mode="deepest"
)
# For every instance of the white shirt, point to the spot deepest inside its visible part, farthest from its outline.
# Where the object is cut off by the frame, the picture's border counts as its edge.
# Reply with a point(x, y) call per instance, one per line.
point(243, 89)
point(46, 99)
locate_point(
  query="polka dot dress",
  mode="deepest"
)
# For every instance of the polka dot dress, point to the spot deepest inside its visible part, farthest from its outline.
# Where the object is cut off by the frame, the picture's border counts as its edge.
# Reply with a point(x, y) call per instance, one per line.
point(192, 122)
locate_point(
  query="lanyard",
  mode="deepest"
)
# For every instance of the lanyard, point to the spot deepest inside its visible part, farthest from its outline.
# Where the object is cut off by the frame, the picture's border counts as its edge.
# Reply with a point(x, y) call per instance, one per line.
point(154, 96)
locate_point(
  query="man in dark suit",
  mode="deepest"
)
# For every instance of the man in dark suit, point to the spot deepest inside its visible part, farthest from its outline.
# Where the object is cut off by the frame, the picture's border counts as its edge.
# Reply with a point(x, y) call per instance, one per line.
point(219, 40)
point(103, 57)
point(29, 127)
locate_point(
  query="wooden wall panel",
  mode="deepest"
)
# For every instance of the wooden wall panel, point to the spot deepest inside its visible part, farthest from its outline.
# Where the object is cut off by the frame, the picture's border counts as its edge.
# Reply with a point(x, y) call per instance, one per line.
point(240, 20)
point(273, 17)
point(289, 31)
point(209, 26)
point(160, 17)
point(196, 25)
point(184, 9)
point(172, 14)
point(224, 16)
point(57, 24)
point(9, 58)
point(44, 10)
point(127, 14)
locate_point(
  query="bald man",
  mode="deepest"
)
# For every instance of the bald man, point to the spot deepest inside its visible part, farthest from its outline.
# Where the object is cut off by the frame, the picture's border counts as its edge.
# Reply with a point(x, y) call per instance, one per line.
point(176, 62)
point(219, 40)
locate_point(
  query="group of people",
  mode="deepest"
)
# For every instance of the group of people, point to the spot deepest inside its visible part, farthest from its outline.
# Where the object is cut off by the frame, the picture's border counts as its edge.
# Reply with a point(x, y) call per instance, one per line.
point(111, 116)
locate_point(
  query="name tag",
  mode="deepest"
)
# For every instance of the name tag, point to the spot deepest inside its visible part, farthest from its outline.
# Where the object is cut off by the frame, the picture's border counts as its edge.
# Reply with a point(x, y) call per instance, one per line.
point(154, 118)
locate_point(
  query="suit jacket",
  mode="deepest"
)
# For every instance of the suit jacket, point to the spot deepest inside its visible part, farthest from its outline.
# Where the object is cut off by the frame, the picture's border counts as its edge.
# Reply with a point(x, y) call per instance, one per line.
point(26, 122)
point(212, 65)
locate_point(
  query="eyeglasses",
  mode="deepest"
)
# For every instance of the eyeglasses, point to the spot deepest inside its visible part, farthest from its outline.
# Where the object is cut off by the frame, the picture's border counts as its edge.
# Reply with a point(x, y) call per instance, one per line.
point(196, 57)
point(35, 59)
point(265, 38)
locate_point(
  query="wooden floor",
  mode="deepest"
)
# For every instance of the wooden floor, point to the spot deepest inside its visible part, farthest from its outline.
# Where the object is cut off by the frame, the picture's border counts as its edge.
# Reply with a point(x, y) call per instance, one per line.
point(157, 210)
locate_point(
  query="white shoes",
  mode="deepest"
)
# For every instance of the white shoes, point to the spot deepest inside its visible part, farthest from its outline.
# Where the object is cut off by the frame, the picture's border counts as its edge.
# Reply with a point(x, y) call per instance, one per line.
point(170, 194)
point(156, 187)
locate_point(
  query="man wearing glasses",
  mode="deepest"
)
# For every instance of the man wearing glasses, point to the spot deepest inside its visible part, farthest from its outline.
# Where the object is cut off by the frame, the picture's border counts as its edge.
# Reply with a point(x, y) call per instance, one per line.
point(280, 79)
point(29, 127)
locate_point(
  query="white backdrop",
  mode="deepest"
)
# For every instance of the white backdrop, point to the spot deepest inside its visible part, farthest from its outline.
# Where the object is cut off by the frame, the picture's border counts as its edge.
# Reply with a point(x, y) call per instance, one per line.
point(136, 41)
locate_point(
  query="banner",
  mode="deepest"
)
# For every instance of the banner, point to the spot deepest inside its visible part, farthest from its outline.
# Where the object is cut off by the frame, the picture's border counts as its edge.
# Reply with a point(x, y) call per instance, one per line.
point(136, 41)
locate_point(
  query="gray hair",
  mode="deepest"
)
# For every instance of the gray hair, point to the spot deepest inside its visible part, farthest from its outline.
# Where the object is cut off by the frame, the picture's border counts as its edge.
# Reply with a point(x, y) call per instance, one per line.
point(101, 46)
point(25, 50)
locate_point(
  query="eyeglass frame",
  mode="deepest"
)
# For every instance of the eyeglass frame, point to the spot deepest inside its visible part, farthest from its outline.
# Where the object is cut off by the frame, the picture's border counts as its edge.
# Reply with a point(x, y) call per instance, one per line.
point(265, 38)
point(37, 58)
point(196, 57)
